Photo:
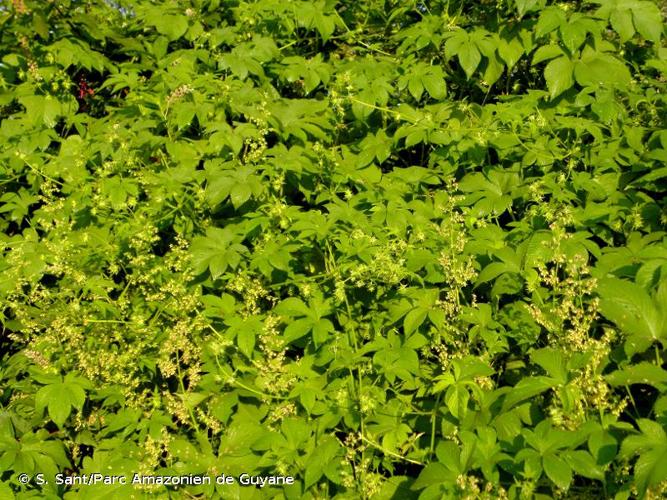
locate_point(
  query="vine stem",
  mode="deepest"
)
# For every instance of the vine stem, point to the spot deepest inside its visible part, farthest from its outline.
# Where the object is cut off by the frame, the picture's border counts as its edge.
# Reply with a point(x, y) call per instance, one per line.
point(247, 387)
point(191, 412)
point(389, 452)
point(658, 358)
point(434, 419)
point(373, 106)
point(38, 171)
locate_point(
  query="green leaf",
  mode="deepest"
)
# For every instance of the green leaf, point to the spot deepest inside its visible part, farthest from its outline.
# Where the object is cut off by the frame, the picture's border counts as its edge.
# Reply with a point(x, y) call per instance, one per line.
point(414, 319)
point(434, 473)
point(435, 85)
point(510, 51)
point(601, 69)
point(58, 406)
point(493, 70)
point(648, 20)
point(621, 21)
point(492, 271)
point(546, 52)
point(240, 193)
point(59, 398)
point(470, 367)
point(641, 373)
point(456, 399)
point(551, 359)
point(324, 453)
point(469, 58)
point(632, 309)
point(246, 341)
point(527, 388)
point(321, 331)
point(573, 35)
point(325, 25)
point(550, 19)
point(583, 464)
point(651, 445)
point(524, 6)
point(557, 470)
point(652, 435)
point(40, 26)
point(297, 329)
point(651, 468)
point(416, 88)
point(173, 27)
point(292, 306)
point(558, 75)
point(6, 491)
point(75, 393)
point(603, 446)
point(59, 409)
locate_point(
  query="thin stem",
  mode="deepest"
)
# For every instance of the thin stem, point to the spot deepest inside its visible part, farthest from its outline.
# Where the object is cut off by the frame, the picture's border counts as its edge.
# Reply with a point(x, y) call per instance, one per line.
point(632, 400)
point(246, 387)
point(434, 418)
point(389, 452)
point(36, 170)
point(191, 412)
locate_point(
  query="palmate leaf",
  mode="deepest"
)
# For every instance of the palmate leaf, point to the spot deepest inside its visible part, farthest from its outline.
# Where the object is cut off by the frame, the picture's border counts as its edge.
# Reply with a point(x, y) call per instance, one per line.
point(550, 19)
point(320, 460)
point(465, 47)
point(573, 34)
point(366, 220)
point(60, 398)
point(630, 16)
point(651, 467)
point(171, 23)
point(217, 251)
point(314, 15)
point(641, 373)
point(633, 310)
point(245, 330)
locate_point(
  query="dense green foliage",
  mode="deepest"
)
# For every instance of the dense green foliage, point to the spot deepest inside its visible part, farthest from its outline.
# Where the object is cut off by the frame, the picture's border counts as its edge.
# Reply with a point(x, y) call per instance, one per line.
point(391, 249)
